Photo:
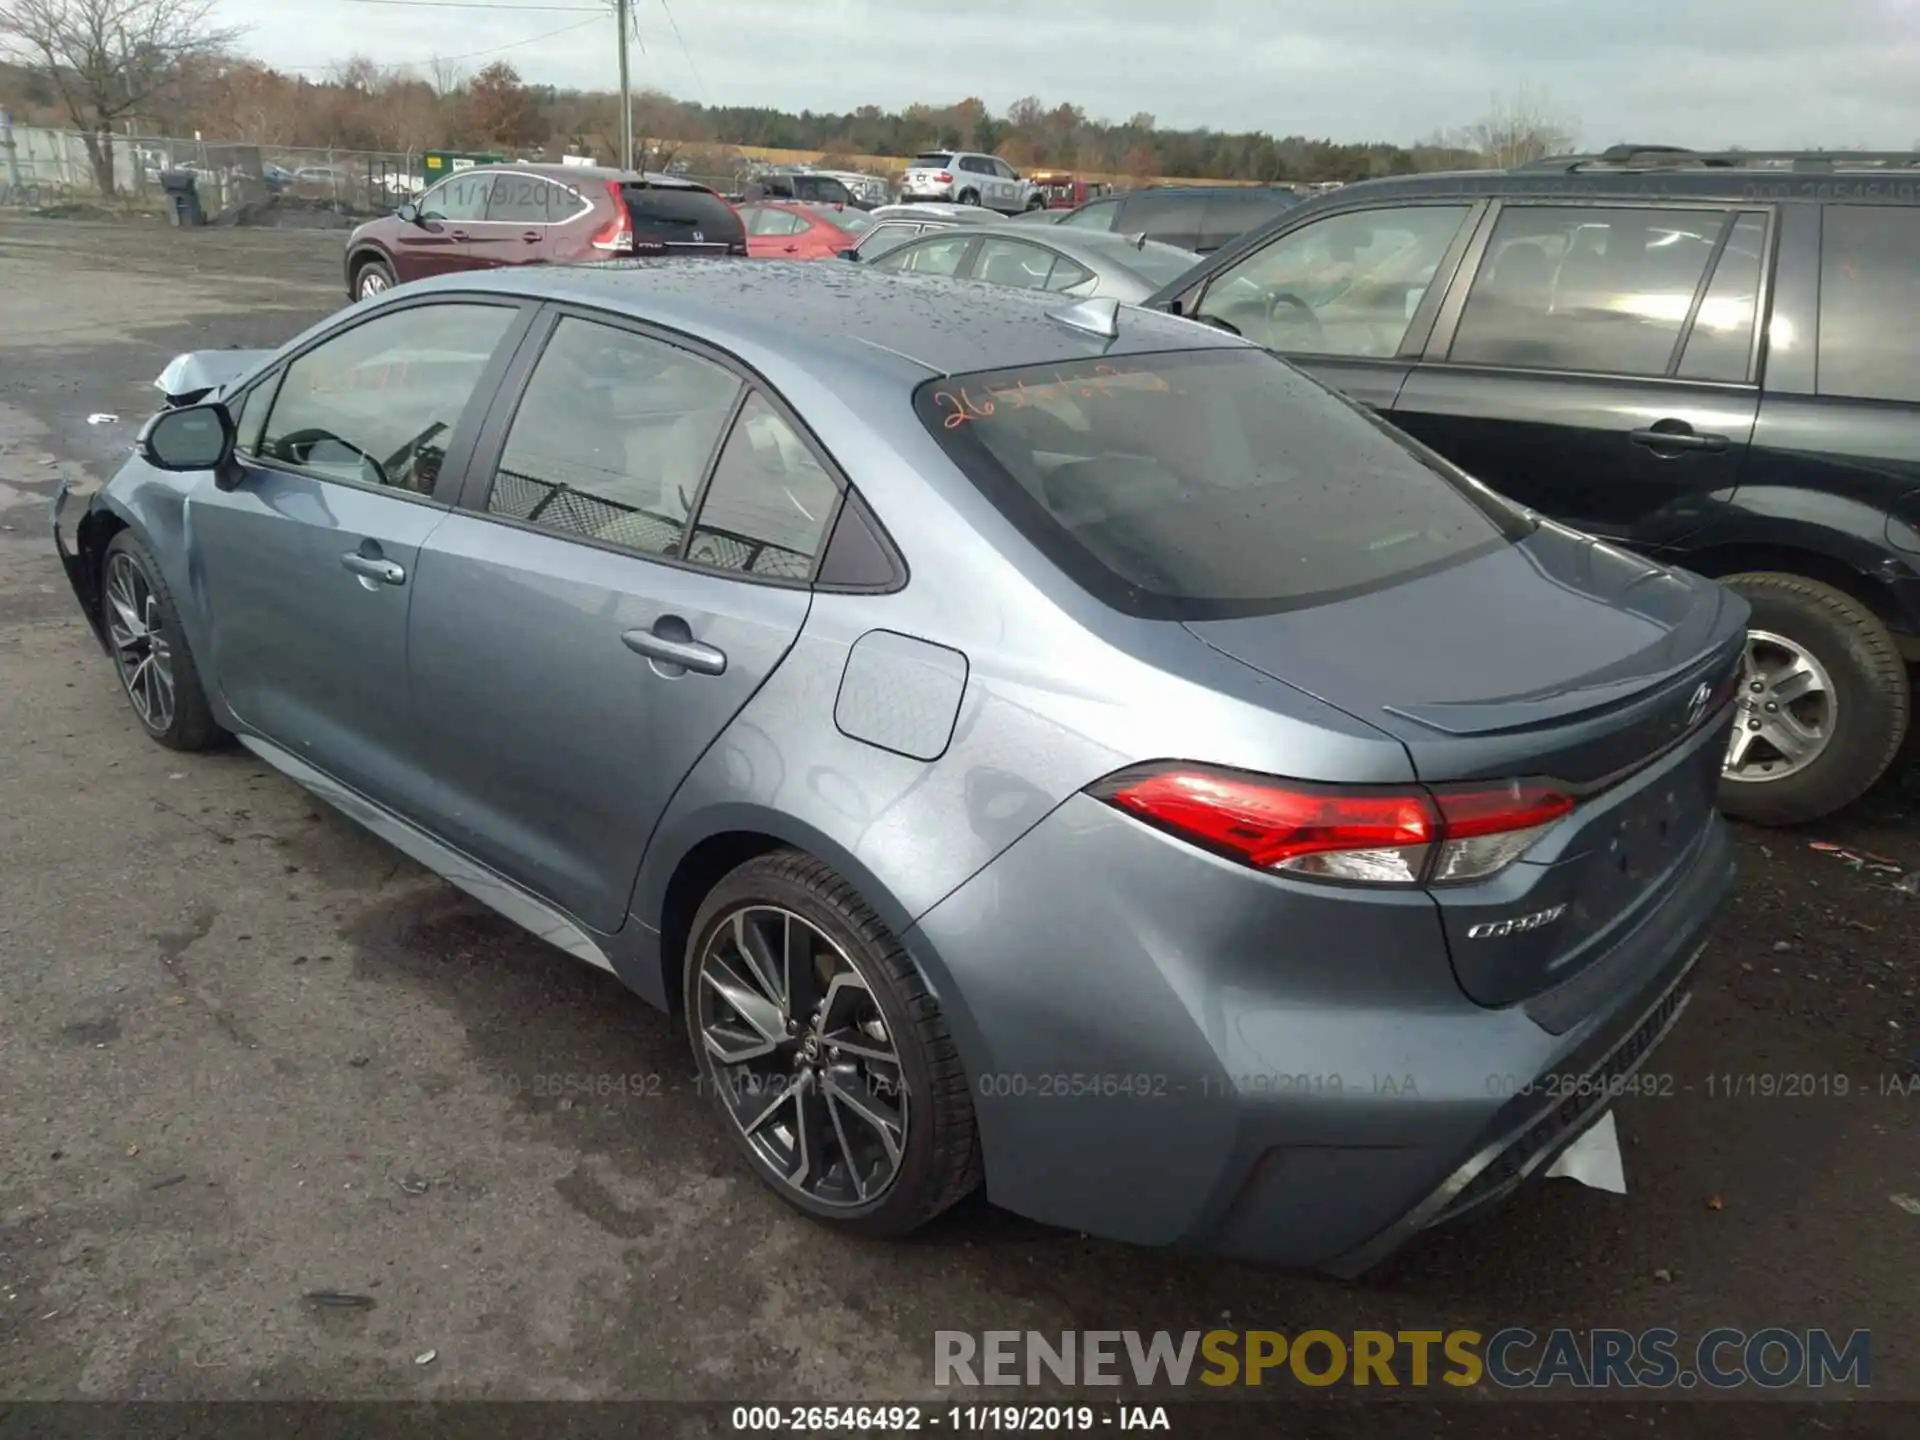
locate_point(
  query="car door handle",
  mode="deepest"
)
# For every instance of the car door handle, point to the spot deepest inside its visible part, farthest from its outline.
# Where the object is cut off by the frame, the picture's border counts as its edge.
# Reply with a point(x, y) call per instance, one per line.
point(694, 655)
point(371, 567)
point(532, 237)
point(1677, 439)
point(460, 235)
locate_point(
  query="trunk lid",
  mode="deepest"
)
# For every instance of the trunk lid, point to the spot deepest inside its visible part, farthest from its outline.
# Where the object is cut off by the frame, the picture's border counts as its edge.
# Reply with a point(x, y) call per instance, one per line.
point(1559, 658)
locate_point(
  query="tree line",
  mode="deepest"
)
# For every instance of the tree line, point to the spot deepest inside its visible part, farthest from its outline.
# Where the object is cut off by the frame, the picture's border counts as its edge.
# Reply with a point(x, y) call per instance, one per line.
point(173, 71)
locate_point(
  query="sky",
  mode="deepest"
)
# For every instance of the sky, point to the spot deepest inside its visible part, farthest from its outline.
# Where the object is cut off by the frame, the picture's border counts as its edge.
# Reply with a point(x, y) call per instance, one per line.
point(1705, 73)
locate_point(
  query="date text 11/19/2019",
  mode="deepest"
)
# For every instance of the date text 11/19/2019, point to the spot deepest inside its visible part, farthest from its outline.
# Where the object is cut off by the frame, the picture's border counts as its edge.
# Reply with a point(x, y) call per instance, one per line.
point(958, 1419)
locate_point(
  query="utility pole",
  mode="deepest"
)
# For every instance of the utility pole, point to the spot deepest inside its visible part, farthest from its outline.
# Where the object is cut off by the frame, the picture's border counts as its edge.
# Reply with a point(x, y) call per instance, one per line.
point(621, 10)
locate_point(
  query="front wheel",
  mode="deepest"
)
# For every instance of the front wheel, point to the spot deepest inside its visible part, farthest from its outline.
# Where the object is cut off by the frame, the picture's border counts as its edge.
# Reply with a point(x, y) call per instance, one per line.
point(826, 1056)
point(1824, 702)
point(375, 277)
point(156, 669)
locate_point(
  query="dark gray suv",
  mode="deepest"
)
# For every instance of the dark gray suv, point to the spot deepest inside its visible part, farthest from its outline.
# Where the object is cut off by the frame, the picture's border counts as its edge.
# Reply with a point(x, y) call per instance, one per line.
point(1706, 358)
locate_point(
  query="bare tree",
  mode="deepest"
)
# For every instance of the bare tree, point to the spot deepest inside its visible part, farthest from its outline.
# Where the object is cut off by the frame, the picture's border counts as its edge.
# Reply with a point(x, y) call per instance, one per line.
point(445, 75)
point(106, 58)
point(1518, 128)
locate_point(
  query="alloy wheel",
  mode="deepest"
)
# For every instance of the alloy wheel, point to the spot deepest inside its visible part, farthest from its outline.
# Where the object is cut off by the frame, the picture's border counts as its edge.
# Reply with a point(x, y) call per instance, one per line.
point(1786, 710)
point(373, 281)
point(802, 1057)
point(140, 651)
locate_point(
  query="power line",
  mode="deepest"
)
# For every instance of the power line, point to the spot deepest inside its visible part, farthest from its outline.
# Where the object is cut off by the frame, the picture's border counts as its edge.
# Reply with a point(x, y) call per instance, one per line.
point(447, 59)
point(473, 5)
point(686, 53)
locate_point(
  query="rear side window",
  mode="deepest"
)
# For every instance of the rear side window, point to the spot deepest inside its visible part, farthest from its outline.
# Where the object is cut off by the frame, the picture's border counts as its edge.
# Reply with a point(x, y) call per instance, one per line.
point(1205, 484)
point(1869, 295)
point(1720, 344)
point(612, 438)
point(527, 199)
point(1581, 288)
point(681, 217)
point(767, 510)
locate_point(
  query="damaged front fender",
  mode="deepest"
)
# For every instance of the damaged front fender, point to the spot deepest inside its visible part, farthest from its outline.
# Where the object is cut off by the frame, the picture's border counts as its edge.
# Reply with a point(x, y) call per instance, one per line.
point(92, 527)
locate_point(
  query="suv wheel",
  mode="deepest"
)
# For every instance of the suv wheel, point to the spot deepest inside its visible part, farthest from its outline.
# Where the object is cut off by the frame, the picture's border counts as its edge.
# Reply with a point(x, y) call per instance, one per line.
point(374, 277)
point(827, 1058)
point(1824, 702)
point(969, 197)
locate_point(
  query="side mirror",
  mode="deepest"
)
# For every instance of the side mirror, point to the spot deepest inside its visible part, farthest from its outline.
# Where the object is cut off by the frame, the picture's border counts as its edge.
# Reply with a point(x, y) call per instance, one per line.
point(409, 212)
point(853, 255)
point(193, 437)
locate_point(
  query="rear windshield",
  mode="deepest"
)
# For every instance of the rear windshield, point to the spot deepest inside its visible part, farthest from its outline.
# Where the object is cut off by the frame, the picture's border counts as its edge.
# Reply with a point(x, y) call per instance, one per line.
point(1155, 262)
point(672, 215)
point(933, 160)
point(1203, 484)
point(853, 221)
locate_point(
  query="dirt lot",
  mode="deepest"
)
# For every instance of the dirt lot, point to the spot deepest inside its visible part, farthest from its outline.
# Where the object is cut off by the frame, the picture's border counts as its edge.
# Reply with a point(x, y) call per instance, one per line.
point(250, 1053)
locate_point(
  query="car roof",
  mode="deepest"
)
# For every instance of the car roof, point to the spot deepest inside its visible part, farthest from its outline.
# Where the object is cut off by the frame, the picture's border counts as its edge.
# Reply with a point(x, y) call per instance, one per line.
point(587, 172)
point(1664, 177)
point(811, 316)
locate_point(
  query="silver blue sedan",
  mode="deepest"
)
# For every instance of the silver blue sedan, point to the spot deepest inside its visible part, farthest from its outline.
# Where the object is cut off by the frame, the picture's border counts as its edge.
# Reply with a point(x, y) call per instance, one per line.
point(1032, 742)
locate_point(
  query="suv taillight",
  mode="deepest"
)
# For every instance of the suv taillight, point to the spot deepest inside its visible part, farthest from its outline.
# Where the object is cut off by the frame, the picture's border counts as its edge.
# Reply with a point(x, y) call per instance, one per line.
point(945, 177)
point(617, 234)
point(1364, 834)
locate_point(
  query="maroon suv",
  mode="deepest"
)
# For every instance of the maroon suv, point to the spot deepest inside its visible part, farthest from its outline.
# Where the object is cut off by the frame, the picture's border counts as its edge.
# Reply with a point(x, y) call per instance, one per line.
point(539, 215)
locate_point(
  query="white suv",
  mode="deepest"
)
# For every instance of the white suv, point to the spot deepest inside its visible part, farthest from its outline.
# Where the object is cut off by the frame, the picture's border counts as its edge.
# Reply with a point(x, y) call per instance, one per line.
point(967, 178)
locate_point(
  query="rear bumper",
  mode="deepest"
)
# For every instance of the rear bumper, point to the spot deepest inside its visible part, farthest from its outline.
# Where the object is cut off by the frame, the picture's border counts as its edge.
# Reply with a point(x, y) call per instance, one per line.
point(1168, 1049)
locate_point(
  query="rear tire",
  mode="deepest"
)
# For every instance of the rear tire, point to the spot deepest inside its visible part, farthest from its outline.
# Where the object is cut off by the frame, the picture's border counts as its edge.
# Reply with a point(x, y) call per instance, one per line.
point(1867, 710)
point(156, 669)
point(969, 197)
point(883, 1007)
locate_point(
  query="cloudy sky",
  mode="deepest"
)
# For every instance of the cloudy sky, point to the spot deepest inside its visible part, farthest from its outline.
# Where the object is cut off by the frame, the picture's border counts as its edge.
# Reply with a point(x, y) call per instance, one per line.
point(1761, 73)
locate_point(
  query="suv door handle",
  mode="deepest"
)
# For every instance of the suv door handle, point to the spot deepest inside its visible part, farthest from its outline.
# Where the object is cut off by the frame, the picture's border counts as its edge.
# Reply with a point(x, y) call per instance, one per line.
point(530, 236)
point(370, 567)
point(460, 235)
point(671, 648)
point(1680, 436)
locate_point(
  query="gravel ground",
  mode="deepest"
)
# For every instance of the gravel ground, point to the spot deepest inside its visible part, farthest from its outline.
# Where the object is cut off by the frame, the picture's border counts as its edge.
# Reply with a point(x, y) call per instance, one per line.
point(251, 1053)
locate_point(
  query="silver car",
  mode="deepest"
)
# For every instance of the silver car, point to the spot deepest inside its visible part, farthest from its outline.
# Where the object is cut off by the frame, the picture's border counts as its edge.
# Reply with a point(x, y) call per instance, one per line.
point(1032, 742)
point(968, 177)
point(1082, 263)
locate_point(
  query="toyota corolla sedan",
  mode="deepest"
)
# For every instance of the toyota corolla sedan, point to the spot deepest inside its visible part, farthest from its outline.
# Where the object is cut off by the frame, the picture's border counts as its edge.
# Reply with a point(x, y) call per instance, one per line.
point(1035, 744)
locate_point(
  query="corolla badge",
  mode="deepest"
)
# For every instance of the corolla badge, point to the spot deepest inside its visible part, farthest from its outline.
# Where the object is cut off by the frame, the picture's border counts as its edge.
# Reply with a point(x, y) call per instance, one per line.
point(1519, 925)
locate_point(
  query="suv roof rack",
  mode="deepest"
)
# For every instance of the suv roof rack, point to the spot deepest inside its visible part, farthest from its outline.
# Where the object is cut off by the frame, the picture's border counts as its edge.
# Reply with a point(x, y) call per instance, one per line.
point(1658, 157)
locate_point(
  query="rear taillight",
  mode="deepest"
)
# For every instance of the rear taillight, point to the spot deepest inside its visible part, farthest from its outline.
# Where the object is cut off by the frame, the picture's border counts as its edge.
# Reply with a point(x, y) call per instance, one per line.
point(1372, 835)
point(945, 177)
point(617, 234)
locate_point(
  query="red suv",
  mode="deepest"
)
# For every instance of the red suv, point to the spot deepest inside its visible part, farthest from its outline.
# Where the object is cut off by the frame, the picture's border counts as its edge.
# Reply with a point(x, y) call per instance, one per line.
point(539, 215)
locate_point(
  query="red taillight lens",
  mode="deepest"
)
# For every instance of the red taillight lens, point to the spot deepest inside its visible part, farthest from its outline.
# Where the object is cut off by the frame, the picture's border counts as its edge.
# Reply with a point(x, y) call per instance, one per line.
point(617, 234)
point(1363, 834)
point(945, 177)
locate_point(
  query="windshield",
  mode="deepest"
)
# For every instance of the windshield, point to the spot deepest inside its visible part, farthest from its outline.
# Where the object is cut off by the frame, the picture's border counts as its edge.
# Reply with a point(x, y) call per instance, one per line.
point(1202, 484)
point(675, 215)
point(854, 222)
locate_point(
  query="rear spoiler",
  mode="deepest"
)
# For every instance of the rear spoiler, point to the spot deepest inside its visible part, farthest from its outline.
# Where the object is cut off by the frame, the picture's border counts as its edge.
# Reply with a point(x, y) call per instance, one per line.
point(199, 374)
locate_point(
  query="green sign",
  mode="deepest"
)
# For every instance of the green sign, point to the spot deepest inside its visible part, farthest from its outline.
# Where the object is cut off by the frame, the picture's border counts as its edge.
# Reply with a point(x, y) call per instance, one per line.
point(445, 162)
